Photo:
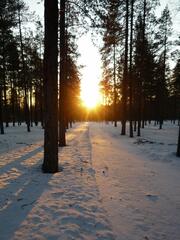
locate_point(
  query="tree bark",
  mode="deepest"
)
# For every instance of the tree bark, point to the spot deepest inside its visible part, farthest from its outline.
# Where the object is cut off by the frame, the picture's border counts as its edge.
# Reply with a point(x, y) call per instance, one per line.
point(50, 164)
point(125, 73)
point(178, 145)
point(114, 82)
point(130, 72)
point(1, 112)
point(26, 110)
point(62, 90)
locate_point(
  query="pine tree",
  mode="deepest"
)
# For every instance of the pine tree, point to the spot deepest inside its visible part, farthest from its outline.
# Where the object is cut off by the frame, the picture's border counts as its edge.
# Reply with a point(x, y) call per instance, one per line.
point(110, 51)
point(50, 164)
point(21, 7)
point(165, 24)
point(130, 70)
point(63, 79)
point(176, 93)
point(7, 22)
point(125, 73)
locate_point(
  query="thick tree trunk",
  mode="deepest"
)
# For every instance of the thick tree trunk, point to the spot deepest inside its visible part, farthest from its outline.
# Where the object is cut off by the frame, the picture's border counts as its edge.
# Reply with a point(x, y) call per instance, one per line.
point(50, 164)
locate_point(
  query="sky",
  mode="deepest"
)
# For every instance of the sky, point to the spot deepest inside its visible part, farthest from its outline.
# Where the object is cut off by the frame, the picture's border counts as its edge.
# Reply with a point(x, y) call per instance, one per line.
point(90, 57)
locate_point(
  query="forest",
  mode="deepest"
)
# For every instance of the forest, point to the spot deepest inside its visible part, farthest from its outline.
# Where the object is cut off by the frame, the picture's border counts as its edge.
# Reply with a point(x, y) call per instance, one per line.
point(138, 82)
point(105, 169)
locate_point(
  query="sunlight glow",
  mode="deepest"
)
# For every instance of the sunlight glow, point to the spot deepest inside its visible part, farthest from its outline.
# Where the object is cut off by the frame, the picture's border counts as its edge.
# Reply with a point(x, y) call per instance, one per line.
point(90, 96)
point(91, 72)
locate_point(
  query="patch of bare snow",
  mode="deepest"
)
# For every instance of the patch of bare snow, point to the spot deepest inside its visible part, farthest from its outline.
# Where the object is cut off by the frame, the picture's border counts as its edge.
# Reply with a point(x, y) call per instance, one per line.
point(18, 137)
point(139, 183)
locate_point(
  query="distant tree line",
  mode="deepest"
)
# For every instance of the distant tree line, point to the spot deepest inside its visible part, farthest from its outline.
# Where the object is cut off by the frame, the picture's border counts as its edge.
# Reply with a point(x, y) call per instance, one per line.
point(21, 85)
point(138, 84)
point(21, 67)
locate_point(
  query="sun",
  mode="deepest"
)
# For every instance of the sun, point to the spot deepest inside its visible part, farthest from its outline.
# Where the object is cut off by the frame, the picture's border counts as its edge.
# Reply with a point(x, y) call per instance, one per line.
point(90, 96)
point(91, 73)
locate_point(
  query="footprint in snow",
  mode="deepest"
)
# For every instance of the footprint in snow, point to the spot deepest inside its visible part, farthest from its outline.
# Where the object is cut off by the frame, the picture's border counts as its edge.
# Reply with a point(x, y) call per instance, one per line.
point(152, 197)
point(105, 171)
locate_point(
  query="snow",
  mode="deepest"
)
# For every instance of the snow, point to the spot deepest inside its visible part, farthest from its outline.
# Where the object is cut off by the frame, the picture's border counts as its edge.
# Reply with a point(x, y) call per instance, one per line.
point(139, 183)
point(111, 186)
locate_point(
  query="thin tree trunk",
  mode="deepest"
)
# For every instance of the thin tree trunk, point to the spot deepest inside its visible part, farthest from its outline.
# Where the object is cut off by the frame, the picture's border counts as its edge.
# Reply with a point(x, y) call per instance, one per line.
point(1, 112)
point(4, 85)
point(62, 90)
point(178, 145)
point(125, 73)
point(114, 79)
point(13, 101)
point(42, 106)
point(26, 110)
point(140, 81)
point(36, 107)
point(161, 107)
point(31, 107)
point(130, 72)
point(135, 125)
point(19, 108)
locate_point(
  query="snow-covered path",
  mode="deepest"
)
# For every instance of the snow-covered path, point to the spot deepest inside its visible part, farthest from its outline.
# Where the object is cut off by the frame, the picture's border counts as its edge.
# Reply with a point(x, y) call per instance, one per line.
point(141, 195)
point(63, 206)
point(111, 187)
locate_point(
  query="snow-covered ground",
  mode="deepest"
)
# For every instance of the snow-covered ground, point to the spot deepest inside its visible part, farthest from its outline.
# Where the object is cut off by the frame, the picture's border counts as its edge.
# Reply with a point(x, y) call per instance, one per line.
point(111, 186)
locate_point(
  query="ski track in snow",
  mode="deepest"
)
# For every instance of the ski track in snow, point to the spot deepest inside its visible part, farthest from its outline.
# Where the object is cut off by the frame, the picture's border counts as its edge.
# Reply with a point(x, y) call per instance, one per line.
point(43, 206)
point(111, 186)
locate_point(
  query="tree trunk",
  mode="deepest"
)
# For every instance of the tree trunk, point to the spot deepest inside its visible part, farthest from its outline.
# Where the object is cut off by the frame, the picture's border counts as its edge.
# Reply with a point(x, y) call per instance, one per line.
point(42, 106)
point(13, 101)
point(114, 79)
point(178, 145)
point(26, 110)
point(125, 73)
point(36, 107)
point(130, 73)
point(4, 85)
point(1, 112)
point(62, 90)
point(31, 106)
point(50, 164)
